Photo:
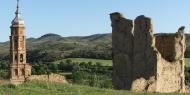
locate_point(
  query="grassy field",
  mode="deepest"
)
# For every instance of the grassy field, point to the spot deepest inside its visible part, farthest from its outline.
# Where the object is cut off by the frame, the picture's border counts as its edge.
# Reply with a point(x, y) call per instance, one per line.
point(107, 62)
point(48, 88)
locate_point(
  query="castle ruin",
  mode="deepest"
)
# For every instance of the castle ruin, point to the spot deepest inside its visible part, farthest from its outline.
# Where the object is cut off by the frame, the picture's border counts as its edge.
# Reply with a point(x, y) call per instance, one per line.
point(144, 61)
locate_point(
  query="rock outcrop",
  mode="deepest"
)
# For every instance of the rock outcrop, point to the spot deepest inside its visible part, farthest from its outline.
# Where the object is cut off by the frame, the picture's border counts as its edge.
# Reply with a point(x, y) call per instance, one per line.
point(143, 61)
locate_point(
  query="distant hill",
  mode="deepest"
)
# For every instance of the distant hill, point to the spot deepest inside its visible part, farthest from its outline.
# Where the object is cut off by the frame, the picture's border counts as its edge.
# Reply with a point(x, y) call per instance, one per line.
point(55, 37)
point(47, 37)
point(56, 43)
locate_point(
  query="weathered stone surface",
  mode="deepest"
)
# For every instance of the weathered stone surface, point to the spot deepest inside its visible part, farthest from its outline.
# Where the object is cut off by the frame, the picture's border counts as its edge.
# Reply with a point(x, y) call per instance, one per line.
point(122, 51)
point(151, 86)
point(145, 55)
point(139, 84)
point(144, 61)
point(170, 72)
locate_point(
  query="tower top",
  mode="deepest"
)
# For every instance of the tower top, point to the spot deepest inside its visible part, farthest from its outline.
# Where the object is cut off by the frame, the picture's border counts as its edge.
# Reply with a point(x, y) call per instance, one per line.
point(17, 11)
point(17, 20)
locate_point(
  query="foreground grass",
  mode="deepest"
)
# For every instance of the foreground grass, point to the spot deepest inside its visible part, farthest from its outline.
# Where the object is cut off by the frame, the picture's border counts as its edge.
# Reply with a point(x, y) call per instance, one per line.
point(48, 88)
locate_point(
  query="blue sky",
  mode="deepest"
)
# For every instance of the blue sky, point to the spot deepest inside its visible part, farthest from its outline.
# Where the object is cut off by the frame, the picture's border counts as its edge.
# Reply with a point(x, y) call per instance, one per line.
point(86, 17)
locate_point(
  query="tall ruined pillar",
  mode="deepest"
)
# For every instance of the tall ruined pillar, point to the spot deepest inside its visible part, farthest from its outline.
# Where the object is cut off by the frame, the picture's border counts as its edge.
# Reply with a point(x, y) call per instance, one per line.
point(145, 55)
point(122, 51)
point(144, 62)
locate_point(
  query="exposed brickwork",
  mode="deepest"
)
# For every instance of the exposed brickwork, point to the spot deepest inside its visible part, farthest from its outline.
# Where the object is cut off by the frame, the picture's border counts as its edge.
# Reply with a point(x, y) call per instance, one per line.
point(19, 69)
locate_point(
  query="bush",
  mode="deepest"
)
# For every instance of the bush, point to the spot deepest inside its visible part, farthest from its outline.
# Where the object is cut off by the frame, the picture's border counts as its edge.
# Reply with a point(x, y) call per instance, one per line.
point(92, 75)
point(187, 76)
point(4, 65)
point(4, 74)
point(79, 77)
point(65, 66)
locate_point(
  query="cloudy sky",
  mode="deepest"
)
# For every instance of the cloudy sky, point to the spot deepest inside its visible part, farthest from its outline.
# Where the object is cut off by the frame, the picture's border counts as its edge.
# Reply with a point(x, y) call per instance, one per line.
point(86, 17)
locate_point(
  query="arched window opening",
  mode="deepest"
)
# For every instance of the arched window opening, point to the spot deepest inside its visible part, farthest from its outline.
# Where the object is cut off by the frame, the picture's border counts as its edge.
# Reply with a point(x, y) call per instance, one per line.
point(16, 58)
point(21, 57)
point(16, 72)
point(16, 43)
point(23, 72)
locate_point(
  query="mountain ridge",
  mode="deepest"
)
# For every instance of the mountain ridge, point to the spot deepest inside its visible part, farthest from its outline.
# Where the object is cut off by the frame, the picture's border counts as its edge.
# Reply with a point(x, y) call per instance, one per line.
point(55, 42)
point(90, 37)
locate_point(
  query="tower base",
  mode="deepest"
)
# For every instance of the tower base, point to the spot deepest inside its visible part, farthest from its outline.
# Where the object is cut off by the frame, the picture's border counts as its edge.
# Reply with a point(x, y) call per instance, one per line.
point(20, 73)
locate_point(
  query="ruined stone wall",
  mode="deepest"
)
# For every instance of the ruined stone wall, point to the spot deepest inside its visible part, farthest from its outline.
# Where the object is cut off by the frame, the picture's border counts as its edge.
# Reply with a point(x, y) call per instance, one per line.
point(170, 73)
point(143, 61)
point(52, 78)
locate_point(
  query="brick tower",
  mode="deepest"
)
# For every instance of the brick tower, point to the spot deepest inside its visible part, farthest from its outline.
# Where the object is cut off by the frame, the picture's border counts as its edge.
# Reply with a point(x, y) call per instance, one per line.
point(19, 69)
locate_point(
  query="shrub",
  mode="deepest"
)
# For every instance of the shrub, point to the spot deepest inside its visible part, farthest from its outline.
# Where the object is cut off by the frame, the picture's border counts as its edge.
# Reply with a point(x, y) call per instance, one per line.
point(4, 74)
point(12, 86)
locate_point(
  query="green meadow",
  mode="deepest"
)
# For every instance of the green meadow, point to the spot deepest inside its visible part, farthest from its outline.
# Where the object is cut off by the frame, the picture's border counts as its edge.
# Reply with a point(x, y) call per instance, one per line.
point(106, 62)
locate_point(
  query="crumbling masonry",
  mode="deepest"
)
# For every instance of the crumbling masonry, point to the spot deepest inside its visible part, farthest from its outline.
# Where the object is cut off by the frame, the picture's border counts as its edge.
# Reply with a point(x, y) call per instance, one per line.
point(143, 61)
